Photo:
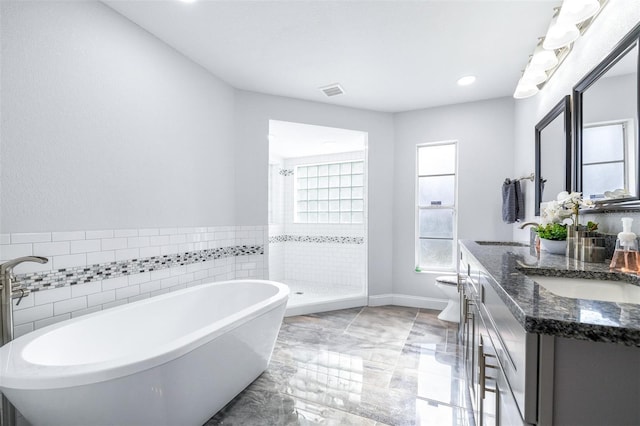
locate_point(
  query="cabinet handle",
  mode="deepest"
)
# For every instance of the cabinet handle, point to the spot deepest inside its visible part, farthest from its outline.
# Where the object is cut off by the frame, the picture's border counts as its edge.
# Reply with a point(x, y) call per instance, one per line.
point(465, 308)
point(467, 314)
point(482, 360)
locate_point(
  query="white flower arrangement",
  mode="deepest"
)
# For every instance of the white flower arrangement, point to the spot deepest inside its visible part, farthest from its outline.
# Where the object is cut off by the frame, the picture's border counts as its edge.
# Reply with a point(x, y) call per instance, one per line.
point(565, 206)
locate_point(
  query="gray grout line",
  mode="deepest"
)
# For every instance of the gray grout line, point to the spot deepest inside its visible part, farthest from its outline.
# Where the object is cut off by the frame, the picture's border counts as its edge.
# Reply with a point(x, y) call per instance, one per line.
point(40, 281)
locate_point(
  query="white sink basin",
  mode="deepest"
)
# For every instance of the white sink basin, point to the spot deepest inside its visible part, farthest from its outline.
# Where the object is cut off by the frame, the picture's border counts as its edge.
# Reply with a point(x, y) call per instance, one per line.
point(580, 288)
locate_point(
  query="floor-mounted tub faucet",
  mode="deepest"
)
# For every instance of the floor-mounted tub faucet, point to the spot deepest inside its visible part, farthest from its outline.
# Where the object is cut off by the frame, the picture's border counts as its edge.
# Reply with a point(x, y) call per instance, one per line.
point(9, 290)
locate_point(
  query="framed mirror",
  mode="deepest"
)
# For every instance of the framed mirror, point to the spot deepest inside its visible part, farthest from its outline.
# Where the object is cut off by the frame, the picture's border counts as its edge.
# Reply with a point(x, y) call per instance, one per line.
point(605, 106)
point(553, 153)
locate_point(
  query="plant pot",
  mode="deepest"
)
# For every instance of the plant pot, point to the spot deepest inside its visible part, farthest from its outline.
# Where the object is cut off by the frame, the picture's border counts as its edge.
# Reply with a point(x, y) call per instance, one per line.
point(553, 246)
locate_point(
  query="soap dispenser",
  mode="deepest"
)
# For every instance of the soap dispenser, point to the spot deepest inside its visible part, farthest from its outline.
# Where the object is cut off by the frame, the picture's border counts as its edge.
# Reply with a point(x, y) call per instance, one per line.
point(625, 257)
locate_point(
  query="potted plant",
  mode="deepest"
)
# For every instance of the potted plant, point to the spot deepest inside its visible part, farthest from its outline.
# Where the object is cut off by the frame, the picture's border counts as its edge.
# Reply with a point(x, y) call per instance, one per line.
point(553, 232)
point(553, 237)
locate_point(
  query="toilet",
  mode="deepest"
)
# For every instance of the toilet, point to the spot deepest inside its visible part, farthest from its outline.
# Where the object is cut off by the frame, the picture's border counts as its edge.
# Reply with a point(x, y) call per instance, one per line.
point(449, 285)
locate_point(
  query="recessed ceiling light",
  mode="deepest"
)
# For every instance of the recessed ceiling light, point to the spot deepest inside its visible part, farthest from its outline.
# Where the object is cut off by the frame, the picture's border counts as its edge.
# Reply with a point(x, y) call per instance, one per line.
point(467, 80)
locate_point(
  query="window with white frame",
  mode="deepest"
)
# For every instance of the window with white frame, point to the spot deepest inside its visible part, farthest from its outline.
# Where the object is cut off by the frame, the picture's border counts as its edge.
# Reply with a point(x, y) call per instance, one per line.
point(436, 225)
point(330, 193)
point(605, 164)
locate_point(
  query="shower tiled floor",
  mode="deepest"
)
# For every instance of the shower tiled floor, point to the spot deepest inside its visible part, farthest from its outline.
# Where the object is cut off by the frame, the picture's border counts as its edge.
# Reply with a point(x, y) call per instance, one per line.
point(303, 292)
point(364, 366)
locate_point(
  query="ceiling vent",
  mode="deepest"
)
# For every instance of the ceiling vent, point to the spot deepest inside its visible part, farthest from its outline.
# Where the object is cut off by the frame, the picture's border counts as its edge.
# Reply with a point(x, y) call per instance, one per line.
point(332, 89)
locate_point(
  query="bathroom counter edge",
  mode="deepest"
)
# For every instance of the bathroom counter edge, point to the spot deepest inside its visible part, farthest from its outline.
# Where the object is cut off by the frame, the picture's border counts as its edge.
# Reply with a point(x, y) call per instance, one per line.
point(540, 311)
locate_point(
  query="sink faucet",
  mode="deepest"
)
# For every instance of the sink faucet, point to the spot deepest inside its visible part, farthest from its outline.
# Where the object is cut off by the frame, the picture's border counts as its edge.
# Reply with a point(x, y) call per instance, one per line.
point(9, 291)
point(524, 225)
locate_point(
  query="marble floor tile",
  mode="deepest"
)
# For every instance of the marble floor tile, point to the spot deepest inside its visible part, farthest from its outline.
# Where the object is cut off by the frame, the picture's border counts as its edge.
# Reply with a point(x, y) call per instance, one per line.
point(364, 366)
point(339, 320)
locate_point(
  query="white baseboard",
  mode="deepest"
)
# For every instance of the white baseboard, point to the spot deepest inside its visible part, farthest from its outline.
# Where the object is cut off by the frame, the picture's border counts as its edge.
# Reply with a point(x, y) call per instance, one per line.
point(315, 307)
point(377, 300)
point(408, 301)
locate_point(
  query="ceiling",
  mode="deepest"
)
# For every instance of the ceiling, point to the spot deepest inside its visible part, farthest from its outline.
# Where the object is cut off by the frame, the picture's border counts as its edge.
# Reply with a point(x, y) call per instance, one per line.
point(291, 140)
point(388, 55)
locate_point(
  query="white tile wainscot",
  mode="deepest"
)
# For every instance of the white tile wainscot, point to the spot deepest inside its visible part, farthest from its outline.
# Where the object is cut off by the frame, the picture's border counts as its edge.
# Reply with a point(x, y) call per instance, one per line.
point(70, 250)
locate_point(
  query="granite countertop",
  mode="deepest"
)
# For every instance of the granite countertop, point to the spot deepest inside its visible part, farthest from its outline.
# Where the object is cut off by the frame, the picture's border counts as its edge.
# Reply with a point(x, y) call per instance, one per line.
point(540, 311)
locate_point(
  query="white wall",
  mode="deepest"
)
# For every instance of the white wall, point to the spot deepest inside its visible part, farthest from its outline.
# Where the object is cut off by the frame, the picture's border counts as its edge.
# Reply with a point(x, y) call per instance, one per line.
point(616, 19)
point(104, 126)
point(484, 131)
point(253, 112)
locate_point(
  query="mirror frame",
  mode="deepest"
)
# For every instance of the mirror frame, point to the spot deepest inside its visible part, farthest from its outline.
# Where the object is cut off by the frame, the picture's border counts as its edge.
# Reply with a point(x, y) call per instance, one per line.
point(623, 47)
point(564, 106)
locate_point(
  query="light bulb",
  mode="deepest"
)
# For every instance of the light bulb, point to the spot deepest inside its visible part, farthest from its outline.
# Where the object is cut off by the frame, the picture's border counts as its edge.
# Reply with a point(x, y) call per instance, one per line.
point(543, 59)
point(525, 90)
point(534, 76)
point(560, 34)
point(576, 11)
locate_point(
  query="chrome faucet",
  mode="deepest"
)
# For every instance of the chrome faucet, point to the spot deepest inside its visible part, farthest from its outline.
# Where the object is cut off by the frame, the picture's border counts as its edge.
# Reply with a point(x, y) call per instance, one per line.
point(9, 291)
point(524, 225)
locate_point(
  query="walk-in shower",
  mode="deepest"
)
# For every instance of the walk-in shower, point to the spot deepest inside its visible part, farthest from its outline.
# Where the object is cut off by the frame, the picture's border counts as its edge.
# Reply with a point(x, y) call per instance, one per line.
point(318, 215)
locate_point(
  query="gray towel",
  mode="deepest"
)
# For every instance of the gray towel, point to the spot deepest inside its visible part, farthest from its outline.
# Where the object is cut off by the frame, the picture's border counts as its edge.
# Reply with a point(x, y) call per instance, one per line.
point(512, 201)
point(520, 199)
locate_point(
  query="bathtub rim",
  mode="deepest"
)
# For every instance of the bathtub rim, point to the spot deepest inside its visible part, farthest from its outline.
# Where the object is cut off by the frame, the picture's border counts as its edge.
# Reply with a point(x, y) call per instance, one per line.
point(19, 374)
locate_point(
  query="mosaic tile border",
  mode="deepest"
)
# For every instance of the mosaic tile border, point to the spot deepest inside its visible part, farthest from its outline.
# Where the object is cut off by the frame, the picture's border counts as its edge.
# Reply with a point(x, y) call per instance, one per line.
point(316, 239)
point(38, 281)
point(286, 172)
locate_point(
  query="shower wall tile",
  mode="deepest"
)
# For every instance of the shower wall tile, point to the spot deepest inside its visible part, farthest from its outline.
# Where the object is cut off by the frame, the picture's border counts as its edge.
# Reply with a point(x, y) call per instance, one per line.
point(101, 298)
point(31, 237)
point(331, 254)
point(51, 320)
point(101, 257)
point(149, 251)
point(149, 232)
point(107, 233)
point(53, 295)
point(114, 243)
point(32, 314)
point(85, 289)
point(68, 236)
point(127, 254)
point(86, 311)
point(69, 261)
point(93, 270)
point(19, 330)
point(11, 251)
point(85, 246)
point(114, 283)
point(125, 233)
point(127, 292)
point(69, 305)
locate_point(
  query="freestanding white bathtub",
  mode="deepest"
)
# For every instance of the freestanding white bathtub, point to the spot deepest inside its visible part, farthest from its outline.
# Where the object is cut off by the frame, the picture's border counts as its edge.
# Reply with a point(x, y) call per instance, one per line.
point(175, 359)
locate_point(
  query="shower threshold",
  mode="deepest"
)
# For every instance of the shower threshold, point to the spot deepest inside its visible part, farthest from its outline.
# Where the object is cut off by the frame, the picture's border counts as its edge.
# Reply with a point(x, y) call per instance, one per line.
point(311, 297)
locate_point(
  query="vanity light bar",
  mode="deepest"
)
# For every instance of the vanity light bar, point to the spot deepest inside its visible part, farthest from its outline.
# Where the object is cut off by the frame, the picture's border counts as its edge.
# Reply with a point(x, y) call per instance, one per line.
point(569, 22)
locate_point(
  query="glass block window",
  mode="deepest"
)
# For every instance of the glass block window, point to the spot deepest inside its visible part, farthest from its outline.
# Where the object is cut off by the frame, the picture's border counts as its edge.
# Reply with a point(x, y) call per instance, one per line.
point(330, 193)
point(436, 186)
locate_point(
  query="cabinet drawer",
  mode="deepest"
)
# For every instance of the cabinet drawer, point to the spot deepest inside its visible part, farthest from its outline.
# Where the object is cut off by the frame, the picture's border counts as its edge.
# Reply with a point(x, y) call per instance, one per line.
point(468, 266)
point(508, 412)
point(517, 351)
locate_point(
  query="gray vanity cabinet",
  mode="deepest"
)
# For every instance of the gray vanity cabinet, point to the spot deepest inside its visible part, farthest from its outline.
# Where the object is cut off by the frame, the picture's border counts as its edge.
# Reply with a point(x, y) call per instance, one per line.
point(495, 350)
point(519, 377)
